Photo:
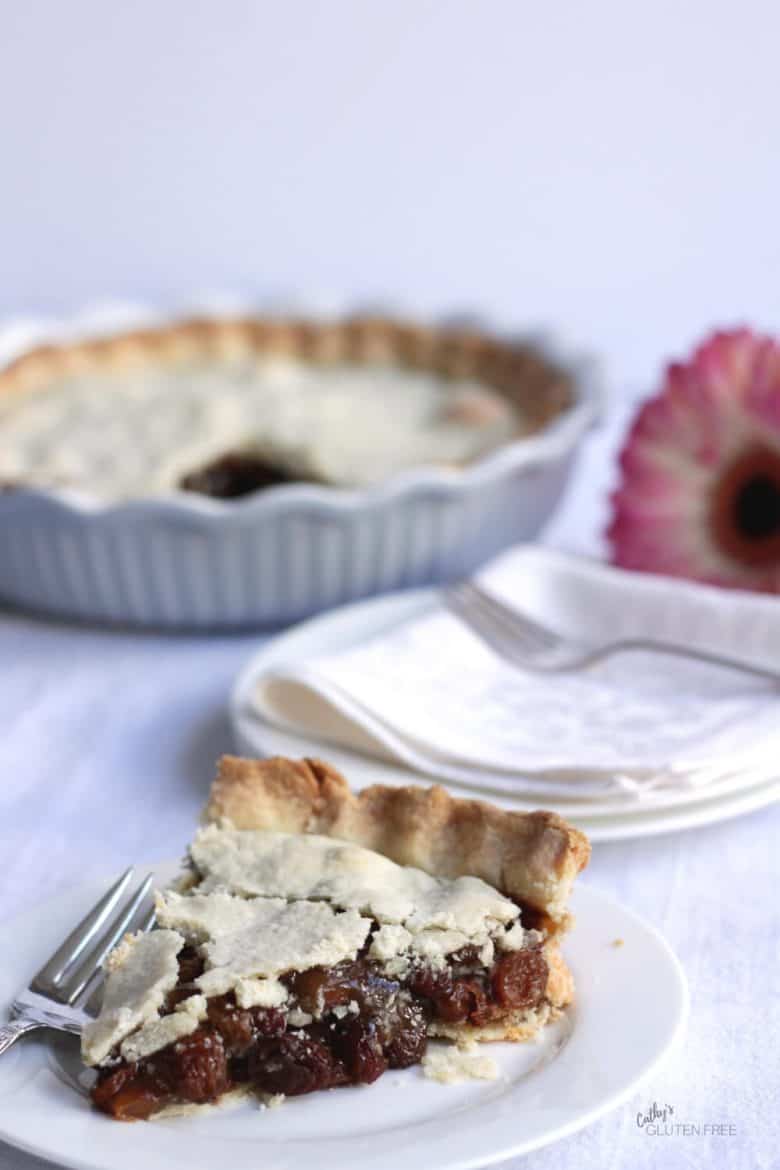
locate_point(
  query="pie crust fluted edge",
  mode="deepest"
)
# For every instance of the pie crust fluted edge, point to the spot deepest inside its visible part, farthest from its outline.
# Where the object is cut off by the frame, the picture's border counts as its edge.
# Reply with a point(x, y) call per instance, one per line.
point(518, 369)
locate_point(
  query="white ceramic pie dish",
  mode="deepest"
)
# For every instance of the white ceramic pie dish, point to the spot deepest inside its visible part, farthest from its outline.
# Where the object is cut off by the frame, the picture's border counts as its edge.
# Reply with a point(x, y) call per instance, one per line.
point(184, 560)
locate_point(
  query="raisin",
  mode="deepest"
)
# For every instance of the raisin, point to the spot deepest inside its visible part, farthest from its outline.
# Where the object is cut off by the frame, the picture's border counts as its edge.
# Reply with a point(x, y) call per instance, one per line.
point(485, 1011)
point(190, 965)
point(238, 1068)
point(429, 984)
point(294, 1064)
point(126, 1095)
point(457, 1004)
point(519, 979)
point(479, 1007)
point(135, 1101)
point(110, 1080)
point(319, 989)
point(269, 1021)
point(195, 1067)
point(451, 1000)
point(406, 1038)
point(358, 1044)
point(234, 1024)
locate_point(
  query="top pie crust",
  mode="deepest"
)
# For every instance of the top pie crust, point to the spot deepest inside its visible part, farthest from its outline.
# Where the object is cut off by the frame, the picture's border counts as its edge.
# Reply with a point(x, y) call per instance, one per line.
point(140, 973)
point(530, 857)
point(267, 864)
point(518, 369)
point(184, 396)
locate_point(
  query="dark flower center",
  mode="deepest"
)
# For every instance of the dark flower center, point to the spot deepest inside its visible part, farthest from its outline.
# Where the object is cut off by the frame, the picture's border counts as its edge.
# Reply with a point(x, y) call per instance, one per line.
point(757, 508)
point(746, 508)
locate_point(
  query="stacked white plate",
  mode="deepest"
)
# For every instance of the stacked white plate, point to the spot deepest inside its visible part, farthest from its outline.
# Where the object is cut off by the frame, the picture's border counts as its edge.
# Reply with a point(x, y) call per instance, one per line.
point(611, 817)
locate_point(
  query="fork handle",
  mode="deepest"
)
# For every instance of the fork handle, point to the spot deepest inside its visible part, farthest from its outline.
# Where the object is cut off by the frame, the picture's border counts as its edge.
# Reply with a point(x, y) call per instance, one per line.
point(10, 1032)
point(679, 651)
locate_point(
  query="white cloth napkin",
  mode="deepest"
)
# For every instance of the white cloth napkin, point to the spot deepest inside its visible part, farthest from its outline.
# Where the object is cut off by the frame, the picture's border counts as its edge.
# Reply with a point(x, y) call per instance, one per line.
point(428, 694)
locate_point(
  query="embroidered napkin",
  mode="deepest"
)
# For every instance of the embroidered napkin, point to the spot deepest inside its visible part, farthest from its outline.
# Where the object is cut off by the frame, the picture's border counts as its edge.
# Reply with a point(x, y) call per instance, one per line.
point(429, 694)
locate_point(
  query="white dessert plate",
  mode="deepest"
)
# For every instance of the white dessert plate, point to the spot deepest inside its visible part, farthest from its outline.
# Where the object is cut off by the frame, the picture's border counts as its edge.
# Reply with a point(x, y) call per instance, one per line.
point(631, 1008)
point(609, 819)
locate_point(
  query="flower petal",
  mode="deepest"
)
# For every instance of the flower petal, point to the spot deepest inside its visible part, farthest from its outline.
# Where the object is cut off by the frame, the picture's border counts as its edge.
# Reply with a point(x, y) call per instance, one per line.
point(714, 422)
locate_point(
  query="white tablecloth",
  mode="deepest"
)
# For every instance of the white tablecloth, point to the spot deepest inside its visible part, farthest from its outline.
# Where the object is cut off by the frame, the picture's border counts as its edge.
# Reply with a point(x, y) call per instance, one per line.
point(106, 753)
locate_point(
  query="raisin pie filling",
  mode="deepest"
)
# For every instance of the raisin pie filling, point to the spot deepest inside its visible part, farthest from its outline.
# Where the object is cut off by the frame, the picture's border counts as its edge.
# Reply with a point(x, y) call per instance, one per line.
point(343, 1025)
point(292, 963)
point(322, 937)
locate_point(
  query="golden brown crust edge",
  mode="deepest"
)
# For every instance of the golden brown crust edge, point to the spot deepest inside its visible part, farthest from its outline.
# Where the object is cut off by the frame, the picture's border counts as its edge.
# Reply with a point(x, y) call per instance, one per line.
point(532, 857)
point(518, 369)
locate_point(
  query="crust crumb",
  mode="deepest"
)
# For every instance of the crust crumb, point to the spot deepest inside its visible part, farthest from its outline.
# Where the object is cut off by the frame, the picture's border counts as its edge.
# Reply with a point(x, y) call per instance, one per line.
point(458, 1062)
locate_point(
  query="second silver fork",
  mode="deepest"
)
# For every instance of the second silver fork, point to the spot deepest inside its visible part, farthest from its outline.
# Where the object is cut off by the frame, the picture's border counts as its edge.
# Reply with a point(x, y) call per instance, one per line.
point(529, 645)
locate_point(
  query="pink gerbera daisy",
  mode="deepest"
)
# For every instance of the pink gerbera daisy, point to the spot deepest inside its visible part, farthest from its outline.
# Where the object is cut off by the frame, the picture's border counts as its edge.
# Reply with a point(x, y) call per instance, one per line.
point(700, 490)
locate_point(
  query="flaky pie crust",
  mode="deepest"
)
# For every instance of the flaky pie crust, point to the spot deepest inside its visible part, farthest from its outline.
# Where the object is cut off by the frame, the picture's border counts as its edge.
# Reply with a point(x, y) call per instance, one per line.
point(532, 857)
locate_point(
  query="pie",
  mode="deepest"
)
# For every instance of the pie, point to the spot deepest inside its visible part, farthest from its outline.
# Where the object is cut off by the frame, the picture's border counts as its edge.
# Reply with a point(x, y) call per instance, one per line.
point(226, 407)
point(322, 937)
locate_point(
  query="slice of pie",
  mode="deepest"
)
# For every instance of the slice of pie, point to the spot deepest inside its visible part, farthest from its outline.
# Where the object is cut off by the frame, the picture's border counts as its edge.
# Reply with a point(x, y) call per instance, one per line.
point(321, 937)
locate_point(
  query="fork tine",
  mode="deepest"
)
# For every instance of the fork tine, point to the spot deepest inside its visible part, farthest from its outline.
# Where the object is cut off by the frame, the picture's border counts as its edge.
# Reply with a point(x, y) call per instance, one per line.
point(506, 637)
point(479, 609)
point(76, 986)
point(80, 937)
point(484, 628)
point(516, 622)
point(515, 619)
point(89, 999)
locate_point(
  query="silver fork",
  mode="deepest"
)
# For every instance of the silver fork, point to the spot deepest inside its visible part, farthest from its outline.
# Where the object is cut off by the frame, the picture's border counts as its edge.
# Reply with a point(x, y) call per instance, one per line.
point(60, 992)
point(526, 643)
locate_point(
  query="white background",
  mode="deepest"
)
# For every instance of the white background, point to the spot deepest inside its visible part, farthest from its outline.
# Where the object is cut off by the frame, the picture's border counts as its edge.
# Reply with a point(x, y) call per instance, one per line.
point(609, 166)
